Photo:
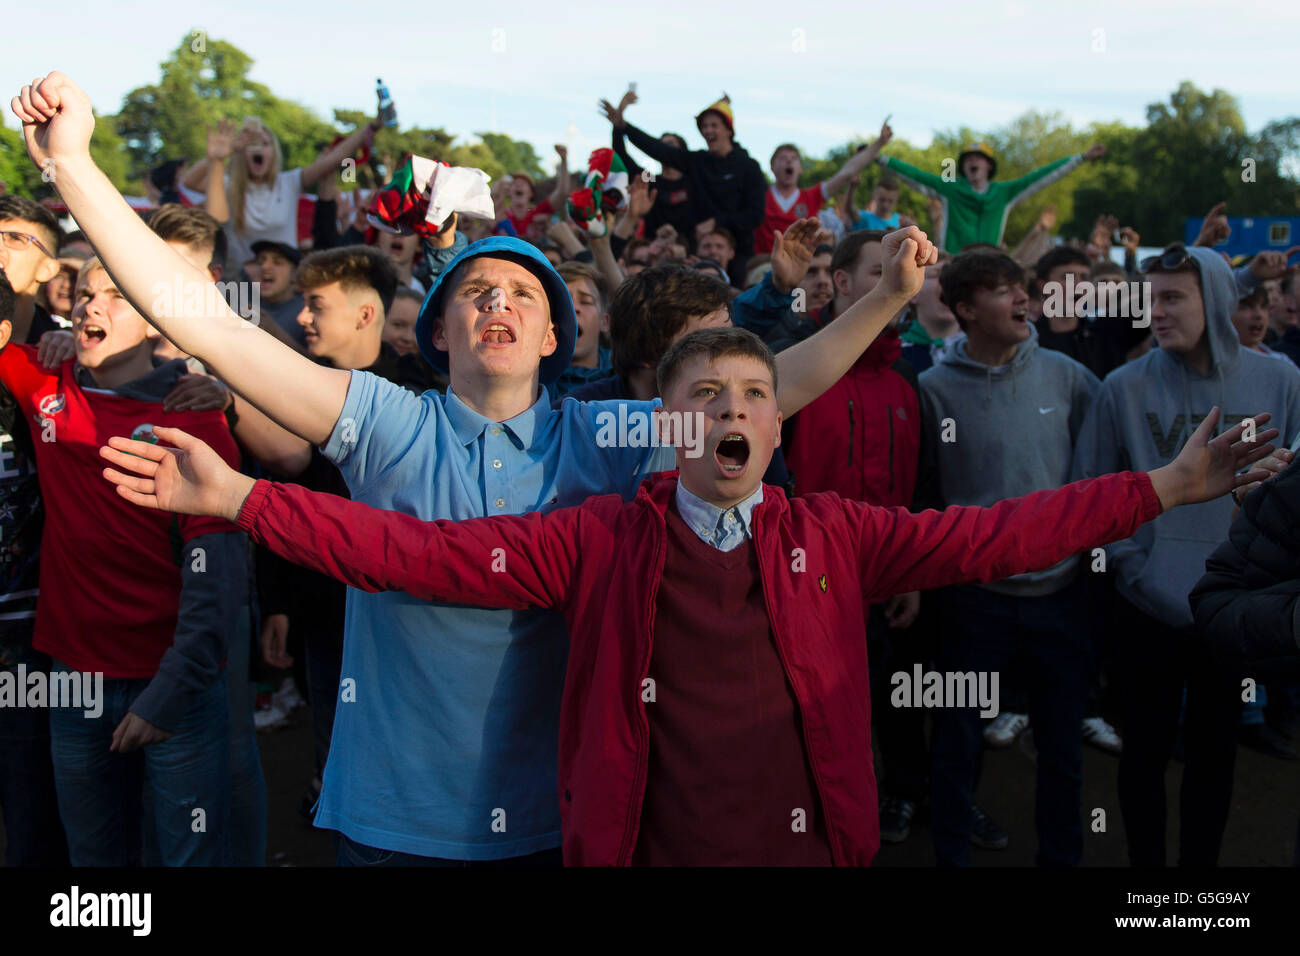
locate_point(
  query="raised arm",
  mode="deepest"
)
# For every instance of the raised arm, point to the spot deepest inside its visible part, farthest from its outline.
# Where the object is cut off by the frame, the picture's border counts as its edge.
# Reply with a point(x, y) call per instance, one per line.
point(304, 397)
point(858, 162)
point(563, 185)
point(1030, 183)
point(328, 161)
point(222, 141)
point(806, 370)
point(504, 561)
point(923, 182)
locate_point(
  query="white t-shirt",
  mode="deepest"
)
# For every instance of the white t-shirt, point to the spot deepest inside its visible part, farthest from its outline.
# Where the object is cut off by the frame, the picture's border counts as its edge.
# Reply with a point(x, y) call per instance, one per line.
point(270, 212)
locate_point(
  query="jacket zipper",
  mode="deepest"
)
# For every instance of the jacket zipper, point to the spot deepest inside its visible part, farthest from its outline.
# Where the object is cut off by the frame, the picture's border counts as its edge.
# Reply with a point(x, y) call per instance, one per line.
point(831, 838)
point(851, 429)
point(643, 750)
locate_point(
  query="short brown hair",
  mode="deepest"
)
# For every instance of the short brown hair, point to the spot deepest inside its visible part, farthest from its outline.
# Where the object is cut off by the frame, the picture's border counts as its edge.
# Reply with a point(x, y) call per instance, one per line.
point(574, 271)
point(354, 268)
point(790, 146)
point(714, 344)
point(189, 226)
point(725, 233)
point(652, 307)
point(887, 182)
point(406, 292)
point(21, 208)
point(849, 249)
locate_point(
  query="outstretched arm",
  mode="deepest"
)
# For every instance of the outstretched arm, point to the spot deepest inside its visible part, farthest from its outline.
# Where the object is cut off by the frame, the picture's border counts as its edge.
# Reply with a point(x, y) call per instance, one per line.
point(899, 551)
point(304, 397)
point(505, 562)
point(806, 370)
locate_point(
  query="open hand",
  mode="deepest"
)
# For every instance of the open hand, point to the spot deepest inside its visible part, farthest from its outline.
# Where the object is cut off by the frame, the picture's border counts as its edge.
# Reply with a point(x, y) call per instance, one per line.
point(1207, 468)
point(221, 141)
point(56, 347)
point(197, 393)
point(792, 253)
point(190, 479)
point(1095, 151)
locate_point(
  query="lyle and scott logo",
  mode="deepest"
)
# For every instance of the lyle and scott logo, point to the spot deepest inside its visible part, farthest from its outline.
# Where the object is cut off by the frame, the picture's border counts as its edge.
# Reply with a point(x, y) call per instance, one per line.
point(822, 582)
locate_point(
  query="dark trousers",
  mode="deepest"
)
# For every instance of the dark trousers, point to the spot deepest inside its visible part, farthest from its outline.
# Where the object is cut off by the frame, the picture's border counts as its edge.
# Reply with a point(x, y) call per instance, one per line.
point(1154, 663)
point(33, 831)
point(899, 732)
point(985, 632)
point(352, 853)
point(324, 672)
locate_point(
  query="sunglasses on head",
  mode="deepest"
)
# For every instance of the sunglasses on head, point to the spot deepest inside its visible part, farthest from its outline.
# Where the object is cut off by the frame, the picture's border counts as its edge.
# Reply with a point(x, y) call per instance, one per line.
point(1167, 261)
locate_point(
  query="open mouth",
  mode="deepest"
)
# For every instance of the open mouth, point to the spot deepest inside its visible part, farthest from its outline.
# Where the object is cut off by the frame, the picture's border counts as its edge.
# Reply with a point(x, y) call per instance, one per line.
point(498, 333)
point(732, 453)
point(91, 335)
point(1021, 316)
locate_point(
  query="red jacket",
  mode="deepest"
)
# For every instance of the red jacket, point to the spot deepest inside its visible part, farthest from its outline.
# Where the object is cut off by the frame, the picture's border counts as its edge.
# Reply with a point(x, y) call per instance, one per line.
point(599, 564)
point(862, 438)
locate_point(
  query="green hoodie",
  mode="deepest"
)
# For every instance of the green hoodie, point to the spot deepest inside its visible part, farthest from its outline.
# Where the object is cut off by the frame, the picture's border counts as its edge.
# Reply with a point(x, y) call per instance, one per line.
point(969, 216)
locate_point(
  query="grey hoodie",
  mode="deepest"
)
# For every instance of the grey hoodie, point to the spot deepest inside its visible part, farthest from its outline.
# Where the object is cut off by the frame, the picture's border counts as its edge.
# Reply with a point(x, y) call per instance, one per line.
point(1143, 416)
point(212, 599)
point(1014, 430)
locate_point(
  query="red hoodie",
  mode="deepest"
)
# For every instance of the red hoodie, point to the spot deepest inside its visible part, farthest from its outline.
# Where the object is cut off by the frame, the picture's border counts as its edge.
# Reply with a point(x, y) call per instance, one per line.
point(862, 437)
point(600, 564)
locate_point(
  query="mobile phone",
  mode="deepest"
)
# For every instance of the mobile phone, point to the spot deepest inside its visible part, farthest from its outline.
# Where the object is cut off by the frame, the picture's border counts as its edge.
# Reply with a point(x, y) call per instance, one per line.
point(1295, 445)
point(631, 87)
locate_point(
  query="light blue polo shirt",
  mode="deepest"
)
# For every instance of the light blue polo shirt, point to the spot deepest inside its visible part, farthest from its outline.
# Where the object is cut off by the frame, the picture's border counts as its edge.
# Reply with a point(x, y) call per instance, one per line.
point(449, 747)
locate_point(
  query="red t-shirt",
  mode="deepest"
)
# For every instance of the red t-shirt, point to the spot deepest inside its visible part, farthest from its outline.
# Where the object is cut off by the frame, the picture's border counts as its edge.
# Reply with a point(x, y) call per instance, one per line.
point(110, 585)
point(778, 215)
point(528, 225)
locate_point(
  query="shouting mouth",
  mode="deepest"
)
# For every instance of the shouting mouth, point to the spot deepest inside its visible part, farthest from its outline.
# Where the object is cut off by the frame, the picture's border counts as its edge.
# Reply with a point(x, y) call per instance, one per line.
point(91, 335)
point(732, 454)
point(499, 334)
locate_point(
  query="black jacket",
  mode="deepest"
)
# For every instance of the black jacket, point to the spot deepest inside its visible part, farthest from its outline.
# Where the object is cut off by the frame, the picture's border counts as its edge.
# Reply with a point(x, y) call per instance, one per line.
point(731, 189)
point(1248, 603)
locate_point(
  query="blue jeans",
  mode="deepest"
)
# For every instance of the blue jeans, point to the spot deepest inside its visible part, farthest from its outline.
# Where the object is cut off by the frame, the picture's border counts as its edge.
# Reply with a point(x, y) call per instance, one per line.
point(101, 794)
point(984, 631)
point(33, 833)
point(352, 853)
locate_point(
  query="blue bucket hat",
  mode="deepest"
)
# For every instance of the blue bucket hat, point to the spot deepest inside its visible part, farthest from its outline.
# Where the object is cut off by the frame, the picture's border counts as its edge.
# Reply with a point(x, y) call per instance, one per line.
point(531, 258)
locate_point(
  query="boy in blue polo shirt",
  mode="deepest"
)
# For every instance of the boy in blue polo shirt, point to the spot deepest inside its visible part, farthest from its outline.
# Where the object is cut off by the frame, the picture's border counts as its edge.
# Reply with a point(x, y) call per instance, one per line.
point(444, 752)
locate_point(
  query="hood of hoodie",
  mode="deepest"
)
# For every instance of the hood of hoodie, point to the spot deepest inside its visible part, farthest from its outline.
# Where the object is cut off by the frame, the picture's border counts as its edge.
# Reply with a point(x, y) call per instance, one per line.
point(1148, 408)
point(153, 387)
point(1005, 432)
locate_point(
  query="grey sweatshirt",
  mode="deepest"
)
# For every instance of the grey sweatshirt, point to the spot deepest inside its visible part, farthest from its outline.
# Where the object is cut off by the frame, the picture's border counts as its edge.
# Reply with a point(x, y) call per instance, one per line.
point(1143, 416)
point(211, 601)
point(1014, 430)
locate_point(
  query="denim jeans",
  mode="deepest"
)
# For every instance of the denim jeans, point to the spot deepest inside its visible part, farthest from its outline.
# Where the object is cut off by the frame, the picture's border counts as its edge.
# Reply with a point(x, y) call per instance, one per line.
point(352, 853)
point(984, 631)
point(101, 793)
point(33, 832)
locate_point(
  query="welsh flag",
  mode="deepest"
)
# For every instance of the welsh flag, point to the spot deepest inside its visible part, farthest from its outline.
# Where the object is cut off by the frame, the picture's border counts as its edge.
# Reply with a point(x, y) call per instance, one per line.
point(604, 189)
point(423, 194)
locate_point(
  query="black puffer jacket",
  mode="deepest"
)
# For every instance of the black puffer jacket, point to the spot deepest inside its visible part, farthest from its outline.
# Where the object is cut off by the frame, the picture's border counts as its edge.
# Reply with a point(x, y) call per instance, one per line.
point(1248, 603)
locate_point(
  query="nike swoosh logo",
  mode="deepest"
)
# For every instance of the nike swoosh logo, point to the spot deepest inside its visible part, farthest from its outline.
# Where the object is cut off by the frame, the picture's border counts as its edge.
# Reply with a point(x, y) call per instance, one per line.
point(1044, 411)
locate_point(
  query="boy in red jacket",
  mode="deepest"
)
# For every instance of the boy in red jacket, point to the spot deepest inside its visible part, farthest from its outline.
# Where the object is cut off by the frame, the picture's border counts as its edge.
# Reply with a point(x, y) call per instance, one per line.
point(716, 710)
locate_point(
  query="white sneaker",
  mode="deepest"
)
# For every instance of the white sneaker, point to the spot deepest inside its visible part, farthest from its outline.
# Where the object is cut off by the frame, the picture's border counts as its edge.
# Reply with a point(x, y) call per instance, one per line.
point(1003, 729)
point(270, 718)
point(287, 697)
point(1102, 735)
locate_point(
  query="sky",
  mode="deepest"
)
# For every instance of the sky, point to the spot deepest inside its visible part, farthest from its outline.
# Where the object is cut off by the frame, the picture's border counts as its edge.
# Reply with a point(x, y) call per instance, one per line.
point(818, 74)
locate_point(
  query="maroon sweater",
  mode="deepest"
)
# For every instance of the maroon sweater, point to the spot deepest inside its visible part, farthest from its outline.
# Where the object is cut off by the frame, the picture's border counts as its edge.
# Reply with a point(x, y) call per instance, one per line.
point(728, 781)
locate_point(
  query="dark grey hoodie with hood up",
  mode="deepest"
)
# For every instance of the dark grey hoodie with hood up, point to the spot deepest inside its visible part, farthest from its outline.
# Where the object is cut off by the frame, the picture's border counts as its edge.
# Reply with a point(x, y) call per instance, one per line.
point(1143, 416)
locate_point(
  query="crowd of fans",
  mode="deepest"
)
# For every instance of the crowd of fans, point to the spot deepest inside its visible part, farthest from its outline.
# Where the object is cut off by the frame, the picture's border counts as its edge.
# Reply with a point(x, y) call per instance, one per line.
point(926, 373)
